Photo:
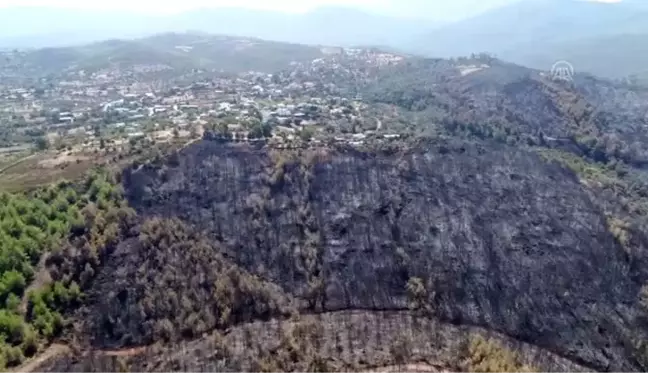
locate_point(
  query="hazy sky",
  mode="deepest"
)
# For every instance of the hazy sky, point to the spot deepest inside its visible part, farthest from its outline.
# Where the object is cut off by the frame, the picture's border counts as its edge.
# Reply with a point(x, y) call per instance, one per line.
point(434, 9)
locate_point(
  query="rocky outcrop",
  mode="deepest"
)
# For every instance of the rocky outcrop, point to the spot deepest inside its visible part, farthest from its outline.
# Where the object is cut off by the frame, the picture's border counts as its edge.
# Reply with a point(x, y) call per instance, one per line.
point(499, 238)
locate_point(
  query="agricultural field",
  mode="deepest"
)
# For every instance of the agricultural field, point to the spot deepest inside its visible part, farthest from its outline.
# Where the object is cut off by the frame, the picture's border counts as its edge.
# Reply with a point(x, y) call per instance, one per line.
point(28, 170)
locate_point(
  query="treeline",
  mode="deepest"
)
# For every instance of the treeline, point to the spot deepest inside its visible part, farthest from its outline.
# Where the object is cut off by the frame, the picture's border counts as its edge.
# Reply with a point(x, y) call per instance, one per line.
point(35, 229)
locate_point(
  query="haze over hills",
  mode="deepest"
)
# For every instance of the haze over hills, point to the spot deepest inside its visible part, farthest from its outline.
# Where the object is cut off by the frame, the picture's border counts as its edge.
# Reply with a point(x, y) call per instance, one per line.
point(174, 52)
point(614, 56)
point(534, 21)
point(597, 37)
point(52, 26)
point(60, 27)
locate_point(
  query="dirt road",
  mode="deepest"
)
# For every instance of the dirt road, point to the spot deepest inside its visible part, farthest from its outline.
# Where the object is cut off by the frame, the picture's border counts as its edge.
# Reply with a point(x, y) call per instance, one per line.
point(35, 363)
point(419, 368)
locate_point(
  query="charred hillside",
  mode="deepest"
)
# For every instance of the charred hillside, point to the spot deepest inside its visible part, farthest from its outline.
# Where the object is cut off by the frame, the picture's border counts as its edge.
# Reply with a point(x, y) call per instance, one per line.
point(470, 234)
point(169, 284)
point(486, 98)
point(361, 211)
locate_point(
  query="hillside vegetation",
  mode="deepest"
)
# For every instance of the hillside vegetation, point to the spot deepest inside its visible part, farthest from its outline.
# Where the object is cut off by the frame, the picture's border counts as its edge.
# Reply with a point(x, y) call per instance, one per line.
point(599, 119)
point(82, 220)
point(179, 52)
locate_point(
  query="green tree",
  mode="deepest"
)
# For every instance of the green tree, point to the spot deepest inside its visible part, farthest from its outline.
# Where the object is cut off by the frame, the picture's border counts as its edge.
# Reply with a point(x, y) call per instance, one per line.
point(42, 143)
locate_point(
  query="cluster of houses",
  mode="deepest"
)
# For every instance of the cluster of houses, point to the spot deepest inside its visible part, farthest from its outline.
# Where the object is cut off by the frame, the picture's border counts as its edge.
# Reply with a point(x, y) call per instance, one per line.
point(104, 103)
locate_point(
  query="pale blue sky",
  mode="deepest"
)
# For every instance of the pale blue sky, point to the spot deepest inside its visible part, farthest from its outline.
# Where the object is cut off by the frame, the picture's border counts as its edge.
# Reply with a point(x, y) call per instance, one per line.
point(433, 9)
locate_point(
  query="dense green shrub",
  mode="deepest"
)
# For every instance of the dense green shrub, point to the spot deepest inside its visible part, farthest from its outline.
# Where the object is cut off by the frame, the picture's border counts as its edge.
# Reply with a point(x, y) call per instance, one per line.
point(65, 215)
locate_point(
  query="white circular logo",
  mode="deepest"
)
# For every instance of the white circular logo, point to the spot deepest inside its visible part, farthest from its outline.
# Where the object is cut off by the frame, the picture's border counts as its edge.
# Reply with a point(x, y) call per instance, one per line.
point(562, 70)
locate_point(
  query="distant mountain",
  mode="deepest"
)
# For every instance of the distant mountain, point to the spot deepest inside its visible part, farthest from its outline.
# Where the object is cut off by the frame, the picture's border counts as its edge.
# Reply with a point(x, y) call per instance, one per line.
point(606, 39)
point(329, 26)
point(539, 32)
point(526, 24)
point(614, 56)
point(178, 51)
